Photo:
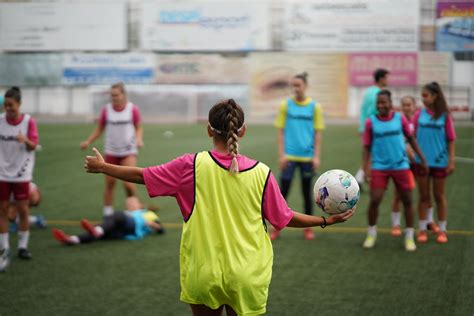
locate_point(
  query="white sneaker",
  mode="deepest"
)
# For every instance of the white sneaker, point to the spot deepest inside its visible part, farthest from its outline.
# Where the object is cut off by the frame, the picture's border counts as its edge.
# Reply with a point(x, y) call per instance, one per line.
point(369, 242)
point(410, 244)
point(4, 259)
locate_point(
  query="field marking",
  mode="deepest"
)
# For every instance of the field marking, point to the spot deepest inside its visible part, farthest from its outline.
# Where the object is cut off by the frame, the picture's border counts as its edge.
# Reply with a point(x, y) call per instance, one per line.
point(464, 159)
point(356, 230)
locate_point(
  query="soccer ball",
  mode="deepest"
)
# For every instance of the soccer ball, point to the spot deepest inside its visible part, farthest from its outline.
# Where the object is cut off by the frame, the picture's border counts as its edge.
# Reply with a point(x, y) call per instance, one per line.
point(336, 191)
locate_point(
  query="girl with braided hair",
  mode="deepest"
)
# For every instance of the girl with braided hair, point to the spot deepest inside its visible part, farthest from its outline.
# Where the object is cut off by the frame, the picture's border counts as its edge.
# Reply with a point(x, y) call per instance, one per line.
point(225, 198)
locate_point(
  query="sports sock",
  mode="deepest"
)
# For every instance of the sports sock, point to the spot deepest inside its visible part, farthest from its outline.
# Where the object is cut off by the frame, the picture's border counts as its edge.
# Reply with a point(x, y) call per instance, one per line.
point(74, 239)
point(442, 225)
point(99, 230)
point(23, 237)
point(395, 218)
point(423, 224)
point(372, 231)
point(108, 210)
point(4, 241)
point(360, 175)
point(430, 215)
point(409, 232)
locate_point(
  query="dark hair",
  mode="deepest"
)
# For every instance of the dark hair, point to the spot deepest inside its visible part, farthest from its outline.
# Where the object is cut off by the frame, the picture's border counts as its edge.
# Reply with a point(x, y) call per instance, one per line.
point(387, 93)
point(226, 118)
point(14, 93)
point(440, 106)
point(303, 77)
point(380, 73)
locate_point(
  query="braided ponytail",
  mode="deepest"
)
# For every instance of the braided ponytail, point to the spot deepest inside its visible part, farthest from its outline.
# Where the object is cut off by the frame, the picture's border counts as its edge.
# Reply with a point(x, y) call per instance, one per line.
point(226, 118)
point(232, 136)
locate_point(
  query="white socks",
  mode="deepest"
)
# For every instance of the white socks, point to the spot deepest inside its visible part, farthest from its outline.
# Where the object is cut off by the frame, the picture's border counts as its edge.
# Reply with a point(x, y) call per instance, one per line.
point(372, 231)
point(23, 238)
point(99, 230)
point(75, 240)
point(108, 210)
point(4, 241)
point(430, 215)
point(395, 218)
point(442, 225)
point(359, 176)
point(423, 223)
point(409, 232)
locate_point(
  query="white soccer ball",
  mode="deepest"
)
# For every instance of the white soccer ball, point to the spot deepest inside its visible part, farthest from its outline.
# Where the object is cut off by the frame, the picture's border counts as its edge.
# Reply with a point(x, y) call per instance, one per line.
point(336, 191)
point(168, 134)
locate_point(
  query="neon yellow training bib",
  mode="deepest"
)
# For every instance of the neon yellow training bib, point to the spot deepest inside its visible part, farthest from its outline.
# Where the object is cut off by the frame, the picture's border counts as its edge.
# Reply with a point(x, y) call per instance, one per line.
point(226, 253)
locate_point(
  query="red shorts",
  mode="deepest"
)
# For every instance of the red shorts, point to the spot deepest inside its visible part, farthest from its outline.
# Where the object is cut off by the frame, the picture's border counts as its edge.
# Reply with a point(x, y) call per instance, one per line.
point(20, 190)
point(403, 179)
point(433, 172)
point(114, 160)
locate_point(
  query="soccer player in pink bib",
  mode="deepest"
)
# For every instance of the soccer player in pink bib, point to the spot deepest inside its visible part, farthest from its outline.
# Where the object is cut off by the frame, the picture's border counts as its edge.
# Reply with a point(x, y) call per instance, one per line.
point(225, 199)
point(18, 140)
point(123, 136)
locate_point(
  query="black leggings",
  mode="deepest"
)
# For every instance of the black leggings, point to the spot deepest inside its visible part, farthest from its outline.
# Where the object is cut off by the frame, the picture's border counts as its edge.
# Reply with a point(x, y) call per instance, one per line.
point(306, 179)
point(115, 226)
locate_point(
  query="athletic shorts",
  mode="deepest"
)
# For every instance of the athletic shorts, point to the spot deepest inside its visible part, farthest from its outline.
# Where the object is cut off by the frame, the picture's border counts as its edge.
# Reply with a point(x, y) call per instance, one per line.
point(433, 172)
point(114, 160)
point(20, 190)
point(403, 179)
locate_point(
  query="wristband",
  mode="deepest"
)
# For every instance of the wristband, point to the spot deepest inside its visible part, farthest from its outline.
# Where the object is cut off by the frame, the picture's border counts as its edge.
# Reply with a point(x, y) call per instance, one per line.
point(323, 224)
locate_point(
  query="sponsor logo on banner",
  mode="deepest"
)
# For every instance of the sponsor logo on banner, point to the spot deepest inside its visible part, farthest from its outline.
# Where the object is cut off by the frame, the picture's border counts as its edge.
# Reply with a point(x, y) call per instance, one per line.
point(403, 68)
point(455, 26)
point(205, 25)
point(351, 25)
point(108, 68)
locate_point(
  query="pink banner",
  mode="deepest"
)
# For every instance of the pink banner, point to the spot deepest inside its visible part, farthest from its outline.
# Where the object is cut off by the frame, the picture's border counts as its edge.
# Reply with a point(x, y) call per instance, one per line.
point(403, 68)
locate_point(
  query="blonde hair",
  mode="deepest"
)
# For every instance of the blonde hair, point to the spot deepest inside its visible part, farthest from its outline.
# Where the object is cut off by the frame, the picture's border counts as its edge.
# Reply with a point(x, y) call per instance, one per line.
point(120, 86)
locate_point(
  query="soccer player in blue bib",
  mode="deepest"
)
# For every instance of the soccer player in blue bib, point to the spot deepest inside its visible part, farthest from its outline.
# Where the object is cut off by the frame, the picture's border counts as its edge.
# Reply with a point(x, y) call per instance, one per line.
point(435, 134)
point(300, 123)
point(369, 108)
point(385, 157)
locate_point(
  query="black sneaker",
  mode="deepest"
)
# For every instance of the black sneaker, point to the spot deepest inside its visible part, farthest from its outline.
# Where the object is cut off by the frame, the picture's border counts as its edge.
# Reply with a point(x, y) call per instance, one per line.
point(24, 254)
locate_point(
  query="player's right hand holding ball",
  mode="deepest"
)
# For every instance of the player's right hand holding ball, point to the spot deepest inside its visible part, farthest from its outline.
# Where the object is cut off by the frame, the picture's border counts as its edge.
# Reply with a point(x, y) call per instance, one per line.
point(342, 217)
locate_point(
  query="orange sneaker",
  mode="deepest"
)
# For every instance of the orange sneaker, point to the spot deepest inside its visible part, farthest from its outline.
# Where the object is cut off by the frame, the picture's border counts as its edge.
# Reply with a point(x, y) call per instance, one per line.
point(442, 238)
point(434, 228)
point(88, 227)
point(422, 237)
point(396, 231)
point(308, 234)
point(274, 234)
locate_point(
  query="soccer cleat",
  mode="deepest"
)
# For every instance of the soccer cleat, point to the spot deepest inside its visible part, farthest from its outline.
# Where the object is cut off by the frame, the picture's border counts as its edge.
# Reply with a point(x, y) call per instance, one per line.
point(442, 238)
point(434, 228)
point(308, 234)
point(4, 259)
point(410, 244)
point(60, 236)
point(24, 254)
point(274, 234)
point(88, 227)
point(422, 237)
point(396, 231)
point(369, 242)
